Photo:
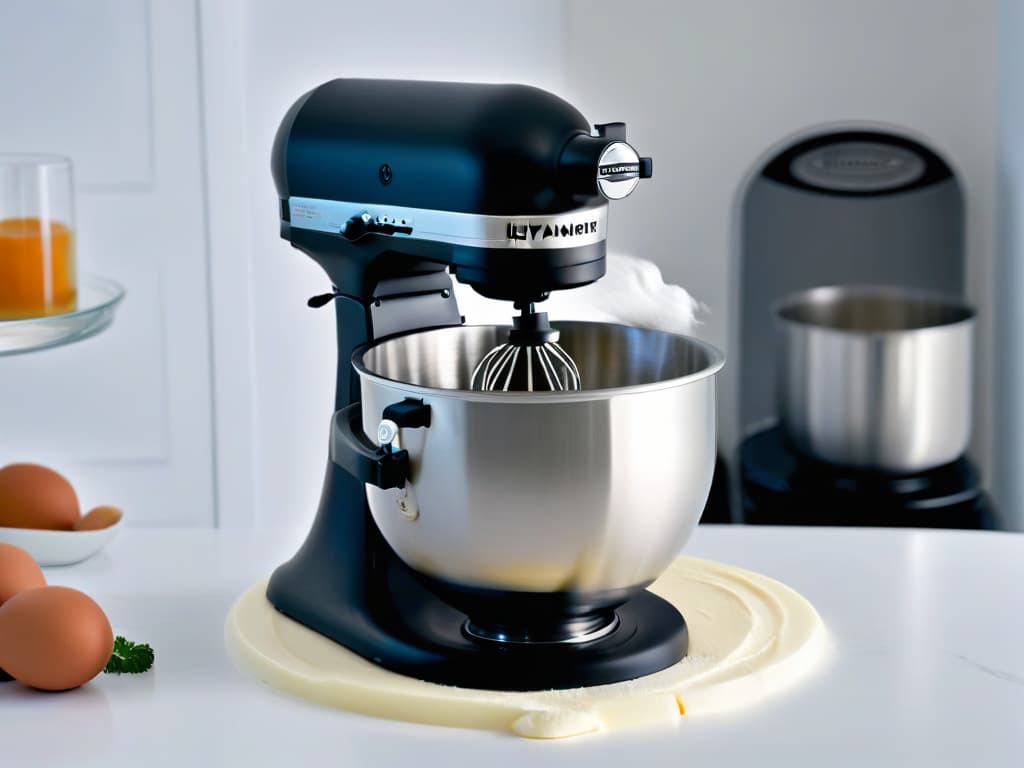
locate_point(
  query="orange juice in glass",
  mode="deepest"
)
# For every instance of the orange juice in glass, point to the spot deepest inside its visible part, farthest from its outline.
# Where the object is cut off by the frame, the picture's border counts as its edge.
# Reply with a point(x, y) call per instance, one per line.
point(37, 244)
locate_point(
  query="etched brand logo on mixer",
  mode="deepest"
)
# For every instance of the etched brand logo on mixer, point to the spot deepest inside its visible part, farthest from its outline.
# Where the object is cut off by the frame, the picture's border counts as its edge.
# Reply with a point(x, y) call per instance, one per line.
point(544, 231)
point(624, 169)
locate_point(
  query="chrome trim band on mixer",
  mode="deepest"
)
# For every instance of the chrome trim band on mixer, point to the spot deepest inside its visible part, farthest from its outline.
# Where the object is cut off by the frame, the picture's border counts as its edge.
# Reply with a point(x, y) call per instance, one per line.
point(585, 226)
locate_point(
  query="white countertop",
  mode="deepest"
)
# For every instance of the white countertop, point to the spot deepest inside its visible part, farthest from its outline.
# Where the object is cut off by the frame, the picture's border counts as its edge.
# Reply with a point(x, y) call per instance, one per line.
point(927, 667)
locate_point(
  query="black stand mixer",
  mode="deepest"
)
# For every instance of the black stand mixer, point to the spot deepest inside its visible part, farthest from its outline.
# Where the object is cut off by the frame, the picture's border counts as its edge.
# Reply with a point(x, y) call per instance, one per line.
point(388, 185)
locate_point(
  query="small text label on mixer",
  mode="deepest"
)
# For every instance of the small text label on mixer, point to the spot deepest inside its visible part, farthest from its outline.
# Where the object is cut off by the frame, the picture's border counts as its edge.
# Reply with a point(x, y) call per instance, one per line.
point(544, 231)
point(619, 168)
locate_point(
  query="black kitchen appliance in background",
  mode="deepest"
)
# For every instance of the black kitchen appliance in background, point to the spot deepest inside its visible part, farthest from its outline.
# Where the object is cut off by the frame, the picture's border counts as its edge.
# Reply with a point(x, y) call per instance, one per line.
point(843, 208)
point(783, 487)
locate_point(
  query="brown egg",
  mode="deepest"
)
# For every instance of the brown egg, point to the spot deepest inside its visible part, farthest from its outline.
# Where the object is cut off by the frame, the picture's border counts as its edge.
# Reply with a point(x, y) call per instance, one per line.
point(98, 518)
point(18, 572)
point(32, 496)
point(54, 638)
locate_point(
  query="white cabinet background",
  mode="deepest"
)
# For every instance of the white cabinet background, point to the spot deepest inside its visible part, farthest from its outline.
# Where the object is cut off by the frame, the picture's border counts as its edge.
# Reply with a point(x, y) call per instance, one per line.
point(126, 415)
point(208, 401)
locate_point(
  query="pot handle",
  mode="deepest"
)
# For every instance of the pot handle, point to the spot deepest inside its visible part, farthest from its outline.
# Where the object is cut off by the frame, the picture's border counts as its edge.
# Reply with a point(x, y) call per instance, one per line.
point(383, 466)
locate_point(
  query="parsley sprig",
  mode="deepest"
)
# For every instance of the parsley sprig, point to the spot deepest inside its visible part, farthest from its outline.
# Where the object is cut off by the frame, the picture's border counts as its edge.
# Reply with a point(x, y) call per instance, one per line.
point(129, 657)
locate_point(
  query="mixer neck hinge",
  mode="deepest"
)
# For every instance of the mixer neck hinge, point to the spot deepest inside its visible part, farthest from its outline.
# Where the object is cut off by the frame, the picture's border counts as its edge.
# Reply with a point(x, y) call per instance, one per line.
point(410, 303)
point(413, 285)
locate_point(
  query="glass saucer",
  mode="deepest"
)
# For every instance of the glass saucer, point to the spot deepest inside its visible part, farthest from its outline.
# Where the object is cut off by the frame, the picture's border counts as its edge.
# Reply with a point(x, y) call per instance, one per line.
point(97, 300)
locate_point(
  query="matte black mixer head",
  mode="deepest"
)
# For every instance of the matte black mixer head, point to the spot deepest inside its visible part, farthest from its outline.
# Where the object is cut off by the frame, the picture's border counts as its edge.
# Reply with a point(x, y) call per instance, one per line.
point(530, 361)
point(506, 185)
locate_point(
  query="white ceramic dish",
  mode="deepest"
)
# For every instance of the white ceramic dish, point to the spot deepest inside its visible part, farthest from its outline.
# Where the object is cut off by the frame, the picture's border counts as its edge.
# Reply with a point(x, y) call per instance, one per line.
point(60, 547)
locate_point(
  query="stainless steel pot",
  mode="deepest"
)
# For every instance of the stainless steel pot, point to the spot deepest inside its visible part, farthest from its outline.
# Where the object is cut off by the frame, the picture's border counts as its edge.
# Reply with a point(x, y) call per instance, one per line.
point(876, 377)
point(591, 492)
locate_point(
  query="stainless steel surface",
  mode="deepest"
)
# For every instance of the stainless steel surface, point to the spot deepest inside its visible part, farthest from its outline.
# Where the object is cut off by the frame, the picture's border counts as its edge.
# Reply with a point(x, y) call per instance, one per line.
point(876, 377)
point(584, 226)
point(547, 491)
point(527, 368)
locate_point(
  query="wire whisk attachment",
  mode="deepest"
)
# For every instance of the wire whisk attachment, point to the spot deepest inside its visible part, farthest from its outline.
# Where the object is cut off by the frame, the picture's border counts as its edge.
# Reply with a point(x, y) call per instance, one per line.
point(530, 361)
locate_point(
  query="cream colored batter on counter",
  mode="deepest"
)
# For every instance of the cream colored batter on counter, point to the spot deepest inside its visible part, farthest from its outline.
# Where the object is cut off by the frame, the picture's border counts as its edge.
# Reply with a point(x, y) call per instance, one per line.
point(750, 636)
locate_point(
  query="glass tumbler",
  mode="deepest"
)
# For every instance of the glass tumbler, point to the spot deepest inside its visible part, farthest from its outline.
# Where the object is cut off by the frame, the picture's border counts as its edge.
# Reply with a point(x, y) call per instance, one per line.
point(37, 244)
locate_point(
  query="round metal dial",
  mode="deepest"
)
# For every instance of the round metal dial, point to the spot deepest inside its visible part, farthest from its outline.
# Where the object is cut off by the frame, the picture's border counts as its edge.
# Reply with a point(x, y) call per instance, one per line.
point(618, 170)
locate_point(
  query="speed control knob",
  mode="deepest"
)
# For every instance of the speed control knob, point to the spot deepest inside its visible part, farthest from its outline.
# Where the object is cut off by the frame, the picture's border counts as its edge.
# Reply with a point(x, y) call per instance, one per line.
point(604, 163)
point(619, 170)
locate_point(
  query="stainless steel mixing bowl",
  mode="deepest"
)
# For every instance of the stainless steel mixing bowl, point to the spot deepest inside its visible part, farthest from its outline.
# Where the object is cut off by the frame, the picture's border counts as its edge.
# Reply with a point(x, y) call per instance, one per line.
point(593, 491)
point(876, 377)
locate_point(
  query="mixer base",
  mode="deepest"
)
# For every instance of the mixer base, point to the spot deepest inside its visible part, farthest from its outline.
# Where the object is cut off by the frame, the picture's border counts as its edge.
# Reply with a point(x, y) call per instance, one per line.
point(644, 635)
point(403, 626)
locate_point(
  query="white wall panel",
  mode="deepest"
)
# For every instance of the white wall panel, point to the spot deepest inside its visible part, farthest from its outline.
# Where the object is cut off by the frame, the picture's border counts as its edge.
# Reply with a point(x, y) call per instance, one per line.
point(1008, 356)
point(77, 81)
point(100, 400)
point(231, 265)
point(127, 415)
